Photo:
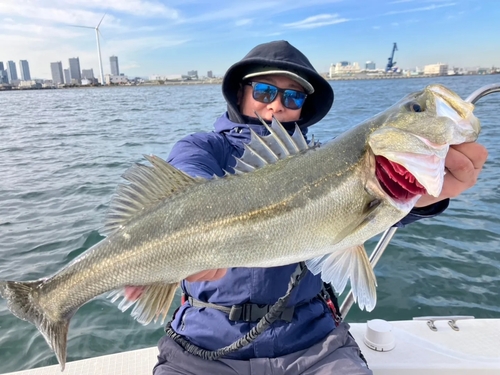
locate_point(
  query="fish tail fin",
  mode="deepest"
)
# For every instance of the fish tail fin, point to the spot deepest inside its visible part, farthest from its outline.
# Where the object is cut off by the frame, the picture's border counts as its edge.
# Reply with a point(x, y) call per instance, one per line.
point(23, 303)
point(351, 263)
point(155, 301)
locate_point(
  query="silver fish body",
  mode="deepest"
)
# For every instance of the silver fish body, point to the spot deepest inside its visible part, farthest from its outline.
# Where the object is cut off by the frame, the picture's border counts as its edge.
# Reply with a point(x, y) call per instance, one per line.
point(288, 202)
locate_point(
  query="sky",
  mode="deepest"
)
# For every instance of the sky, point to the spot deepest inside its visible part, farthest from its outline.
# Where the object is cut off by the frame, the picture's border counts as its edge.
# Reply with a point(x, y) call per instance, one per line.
point(171, 37)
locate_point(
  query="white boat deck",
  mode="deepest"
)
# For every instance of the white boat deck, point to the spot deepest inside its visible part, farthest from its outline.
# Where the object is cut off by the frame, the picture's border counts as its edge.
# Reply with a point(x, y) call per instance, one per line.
point(474, 349)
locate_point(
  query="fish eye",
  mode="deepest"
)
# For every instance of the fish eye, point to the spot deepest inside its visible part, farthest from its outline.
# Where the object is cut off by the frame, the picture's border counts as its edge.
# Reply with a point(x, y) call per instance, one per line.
point(414, 107)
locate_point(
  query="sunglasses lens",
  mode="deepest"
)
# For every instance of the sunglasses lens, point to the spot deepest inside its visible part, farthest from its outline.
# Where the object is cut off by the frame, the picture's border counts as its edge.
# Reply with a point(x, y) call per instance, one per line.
point(264, 93)
point(293, 99)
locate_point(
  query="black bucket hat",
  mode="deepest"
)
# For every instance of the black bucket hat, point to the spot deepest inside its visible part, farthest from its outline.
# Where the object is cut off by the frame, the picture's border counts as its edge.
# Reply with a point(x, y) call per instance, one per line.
point(282, 58)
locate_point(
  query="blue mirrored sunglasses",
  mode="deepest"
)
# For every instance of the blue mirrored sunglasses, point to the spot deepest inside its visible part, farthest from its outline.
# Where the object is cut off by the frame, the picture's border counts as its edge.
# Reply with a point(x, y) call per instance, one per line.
point(267, 93)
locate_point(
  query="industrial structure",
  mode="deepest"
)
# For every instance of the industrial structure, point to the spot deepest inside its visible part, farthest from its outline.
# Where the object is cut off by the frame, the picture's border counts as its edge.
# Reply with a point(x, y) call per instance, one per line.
point(98, 48)
point(436, 69)
point(391, 63)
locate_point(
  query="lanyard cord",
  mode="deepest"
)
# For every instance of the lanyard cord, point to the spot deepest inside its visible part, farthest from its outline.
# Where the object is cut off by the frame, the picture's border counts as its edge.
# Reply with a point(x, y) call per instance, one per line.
point(264, 323)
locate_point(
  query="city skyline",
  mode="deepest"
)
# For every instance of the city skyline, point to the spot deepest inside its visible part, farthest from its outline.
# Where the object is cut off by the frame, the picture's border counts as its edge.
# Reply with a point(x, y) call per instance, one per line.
point(152, 37)
point(59, 75)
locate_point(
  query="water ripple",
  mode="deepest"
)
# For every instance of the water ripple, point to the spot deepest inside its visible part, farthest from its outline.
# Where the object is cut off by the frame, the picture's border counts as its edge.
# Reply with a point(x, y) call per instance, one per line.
point(63, 152)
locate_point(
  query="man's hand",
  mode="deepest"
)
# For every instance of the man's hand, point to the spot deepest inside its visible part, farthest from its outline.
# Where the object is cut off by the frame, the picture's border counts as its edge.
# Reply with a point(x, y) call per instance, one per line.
point(209, 275)
point(133, 293)
point(463, 164)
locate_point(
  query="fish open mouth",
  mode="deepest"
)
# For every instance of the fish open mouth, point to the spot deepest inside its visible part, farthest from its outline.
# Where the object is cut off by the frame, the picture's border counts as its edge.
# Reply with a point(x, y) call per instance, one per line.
point(396, 180)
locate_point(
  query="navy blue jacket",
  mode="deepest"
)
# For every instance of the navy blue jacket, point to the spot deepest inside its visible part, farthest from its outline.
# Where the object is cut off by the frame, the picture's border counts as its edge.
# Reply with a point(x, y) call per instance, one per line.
point(208, 154)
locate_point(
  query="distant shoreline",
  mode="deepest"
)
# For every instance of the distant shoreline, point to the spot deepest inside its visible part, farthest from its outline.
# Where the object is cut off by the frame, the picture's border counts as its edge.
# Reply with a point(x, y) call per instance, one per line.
point(219, 81)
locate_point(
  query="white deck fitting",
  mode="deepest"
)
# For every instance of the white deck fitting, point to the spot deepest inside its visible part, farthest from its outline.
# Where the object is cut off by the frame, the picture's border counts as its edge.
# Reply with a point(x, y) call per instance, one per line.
point(474, 350)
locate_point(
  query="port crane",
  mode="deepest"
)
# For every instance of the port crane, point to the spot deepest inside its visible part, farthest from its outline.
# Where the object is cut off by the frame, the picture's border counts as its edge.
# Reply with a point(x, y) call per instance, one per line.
point(391, 63)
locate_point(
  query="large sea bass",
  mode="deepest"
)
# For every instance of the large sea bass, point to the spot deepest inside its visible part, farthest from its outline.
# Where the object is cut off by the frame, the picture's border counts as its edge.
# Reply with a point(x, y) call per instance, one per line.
point(288, 202)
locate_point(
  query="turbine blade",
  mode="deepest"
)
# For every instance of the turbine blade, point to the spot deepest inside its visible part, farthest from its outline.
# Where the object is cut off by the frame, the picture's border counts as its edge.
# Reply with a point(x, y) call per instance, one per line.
point(85, 27)
point(102, 36)
point(99, 24)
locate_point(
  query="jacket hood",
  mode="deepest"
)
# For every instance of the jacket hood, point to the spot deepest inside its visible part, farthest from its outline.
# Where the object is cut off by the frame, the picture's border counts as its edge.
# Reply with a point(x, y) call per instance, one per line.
point(279, 55)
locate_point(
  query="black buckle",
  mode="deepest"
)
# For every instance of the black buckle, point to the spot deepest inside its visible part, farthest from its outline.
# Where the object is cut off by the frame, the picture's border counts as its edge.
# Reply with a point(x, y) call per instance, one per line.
point(235, 313)
point(253, 312)
point(287, 314)
point(250, 312)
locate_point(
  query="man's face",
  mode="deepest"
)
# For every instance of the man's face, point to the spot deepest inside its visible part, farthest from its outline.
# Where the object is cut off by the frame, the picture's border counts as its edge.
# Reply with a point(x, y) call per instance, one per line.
point(248, 105)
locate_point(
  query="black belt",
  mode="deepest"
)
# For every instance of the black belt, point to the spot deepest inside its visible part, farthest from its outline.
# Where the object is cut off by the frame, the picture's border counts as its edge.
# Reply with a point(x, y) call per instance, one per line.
point(247, 312)
point(249, 337)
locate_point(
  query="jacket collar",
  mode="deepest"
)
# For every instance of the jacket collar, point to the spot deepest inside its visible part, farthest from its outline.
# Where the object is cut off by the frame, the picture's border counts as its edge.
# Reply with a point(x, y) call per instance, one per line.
point(239, 133)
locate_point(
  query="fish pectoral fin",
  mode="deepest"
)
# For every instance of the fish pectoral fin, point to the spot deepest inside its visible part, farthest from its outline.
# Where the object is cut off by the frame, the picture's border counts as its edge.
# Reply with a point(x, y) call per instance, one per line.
point(23, 303)
point(155, 301)
point(351, 263)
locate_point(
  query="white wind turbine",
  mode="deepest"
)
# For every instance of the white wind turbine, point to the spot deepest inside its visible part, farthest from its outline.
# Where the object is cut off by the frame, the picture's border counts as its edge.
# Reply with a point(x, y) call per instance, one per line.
point(98, 45)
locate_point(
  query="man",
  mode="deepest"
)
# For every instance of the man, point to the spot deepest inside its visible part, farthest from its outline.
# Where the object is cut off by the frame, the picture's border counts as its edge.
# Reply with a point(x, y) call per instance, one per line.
point(273, 79)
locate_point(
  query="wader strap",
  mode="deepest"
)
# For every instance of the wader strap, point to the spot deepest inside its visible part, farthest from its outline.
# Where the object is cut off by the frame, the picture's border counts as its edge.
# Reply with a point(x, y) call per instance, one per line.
point(328, 296)
point(261, 326)
point(248, 312)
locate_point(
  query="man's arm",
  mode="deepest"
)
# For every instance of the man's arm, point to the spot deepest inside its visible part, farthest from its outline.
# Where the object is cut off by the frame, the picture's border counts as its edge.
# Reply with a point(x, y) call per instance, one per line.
point(199, 155)
point(423, 213)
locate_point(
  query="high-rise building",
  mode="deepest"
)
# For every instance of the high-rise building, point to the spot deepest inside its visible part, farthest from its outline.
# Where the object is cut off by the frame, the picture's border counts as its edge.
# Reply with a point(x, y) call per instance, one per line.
point(67, 78)
point(370, 65)
point(3, 74)
point(25, 70)
point(436, 69)
point(88, 74)
point(210, 74)
point(11, 71)
point(57, 72)
point(113, 62)
point(74, 69)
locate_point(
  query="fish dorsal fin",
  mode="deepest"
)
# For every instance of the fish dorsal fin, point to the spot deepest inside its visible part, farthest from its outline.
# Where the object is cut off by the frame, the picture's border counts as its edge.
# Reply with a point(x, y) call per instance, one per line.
point(148, 185)
point(264, 150)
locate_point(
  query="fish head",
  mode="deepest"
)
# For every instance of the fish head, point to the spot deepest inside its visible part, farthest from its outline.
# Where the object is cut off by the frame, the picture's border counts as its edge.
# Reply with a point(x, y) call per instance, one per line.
point(411, 145)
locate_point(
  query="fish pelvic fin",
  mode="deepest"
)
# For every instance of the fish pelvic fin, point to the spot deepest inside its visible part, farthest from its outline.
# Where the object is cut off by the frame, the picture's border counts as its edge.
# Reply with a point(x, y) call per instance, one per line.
point(351, 263)
point(22, 301)
point(154, 302)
